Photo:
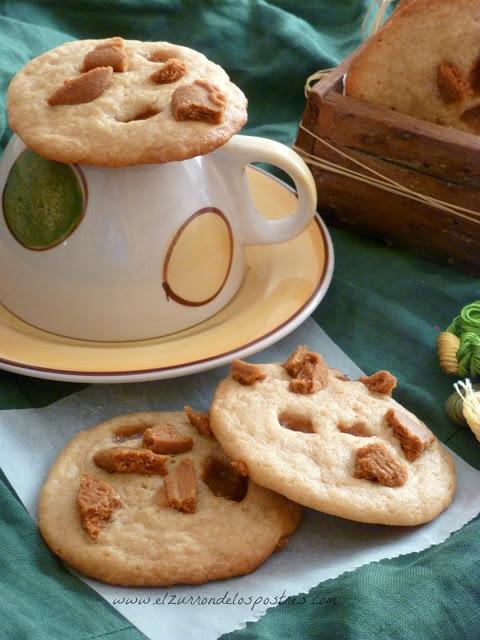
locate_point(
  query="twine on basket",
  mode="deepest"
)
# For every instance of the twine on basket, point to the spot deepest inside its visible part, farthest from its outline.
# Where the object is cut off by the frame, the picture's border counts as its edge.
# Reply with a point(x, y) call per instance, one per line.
point(314, 78)
point(378, 180)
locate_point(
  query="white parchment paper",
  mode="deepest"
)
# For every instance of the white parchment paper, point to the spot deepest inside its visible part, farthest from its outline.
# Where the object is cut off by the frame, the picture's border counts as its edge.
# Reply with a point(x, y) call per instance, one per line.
point(324, 546)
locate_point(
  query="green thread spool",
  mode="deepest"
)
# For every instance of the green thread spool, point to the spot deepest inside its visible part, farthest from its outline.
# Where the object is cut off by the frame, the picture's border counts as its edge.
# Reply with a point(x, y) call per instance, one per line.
point(466, 327)
point(468, 355)
point(468, 320)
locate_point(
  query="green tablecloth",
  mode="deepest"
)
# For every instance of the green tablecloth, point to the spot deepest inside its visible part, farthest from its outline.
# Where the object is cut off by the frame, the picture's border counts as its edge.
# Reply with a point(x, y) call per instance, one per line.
point(384, 310)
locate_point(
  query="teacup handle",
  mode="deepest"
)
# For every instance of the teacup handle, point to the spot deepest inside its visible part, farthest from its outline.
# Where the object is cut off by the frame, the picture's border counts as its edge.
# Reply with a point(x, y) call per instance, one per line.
point(257, 229)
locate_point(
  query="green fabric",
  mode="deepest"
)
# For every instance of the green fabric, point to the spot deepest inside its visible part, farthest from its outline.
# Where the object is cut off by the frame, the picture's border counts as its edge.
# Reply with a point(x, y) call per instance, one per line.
point(384, 309)
point(406, 598)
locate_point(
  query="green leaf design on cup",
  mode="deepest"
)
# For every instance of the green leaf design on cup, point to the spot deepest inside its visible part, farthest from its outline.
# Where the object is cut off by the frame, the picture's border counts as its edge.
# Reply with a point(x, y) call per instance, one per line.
point(43, 201)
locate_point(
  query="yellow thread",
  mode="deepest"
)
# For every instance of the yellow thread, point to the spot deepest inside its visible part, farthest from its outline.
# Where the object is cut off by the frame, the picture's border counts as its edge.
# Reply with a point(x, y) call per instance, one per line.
point(447, 347)
point(471, 405)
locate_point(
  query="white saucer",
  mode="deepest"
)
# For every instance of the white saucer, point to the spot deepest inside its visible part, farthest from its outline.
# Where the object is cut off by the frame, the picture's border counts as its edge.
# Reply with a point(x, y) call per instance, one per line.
point(283, 285)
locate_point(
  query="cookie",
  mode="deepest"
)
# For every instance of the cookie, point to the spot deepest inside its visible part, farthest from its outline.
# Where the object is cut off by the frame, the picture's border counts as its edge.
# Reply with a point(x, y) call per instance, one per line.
point(339, 446)
point(425, 62)
point(146, 499)
point(118, 102)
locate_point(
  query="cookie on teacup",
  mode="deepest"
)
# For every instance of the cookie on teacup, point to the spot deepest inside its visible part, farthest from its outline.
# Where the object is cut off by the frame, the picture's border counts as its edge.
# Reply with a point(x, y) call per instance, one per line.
point(118, 102)
point(340, 446)
point(151, 499)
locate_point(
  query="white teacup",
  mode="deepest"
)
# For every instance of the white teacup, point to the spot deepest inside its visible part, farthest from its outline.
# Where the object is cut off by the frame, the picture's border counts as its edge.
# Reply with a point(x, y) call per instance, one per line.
point(143, 251)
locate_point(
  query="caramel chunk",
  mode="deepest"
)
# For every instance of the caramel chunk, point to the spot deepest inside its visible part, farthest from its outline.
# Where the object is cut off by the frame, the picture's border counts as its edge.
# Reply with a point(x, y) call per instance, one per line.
point(240, 466)
point(246, 373)
point(295, 361)
point(198, 101)
point(200, 421)
point(474, 76)
point(308, 370)
point(96, 502)
point(414, 436)
point(224, 481)
point(164, 438)
point(472, 118)
point(358, 428)
point(84, 88)
point(135, 429)
point(171, 71)
point(180, 488)
point(452, 84)
point(109, 54)
point(127, 460)
point(375, 462)
point(281, 544)
point(296, 422)
point(380, 382)
point(162, 497)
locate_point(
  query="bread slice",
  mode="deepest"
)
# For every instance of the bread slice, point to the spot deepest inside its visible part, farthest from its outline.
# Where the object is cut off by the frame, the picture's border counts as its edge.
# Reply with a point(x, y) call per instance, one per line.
point(402, 4)
point(425, 62)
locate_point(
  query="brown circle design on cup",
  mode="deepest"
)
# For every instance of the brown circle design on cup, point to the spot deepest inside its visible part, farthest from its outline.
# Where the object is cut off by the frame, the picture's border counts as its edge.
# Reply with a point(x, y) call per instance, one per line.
point(185, 247)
